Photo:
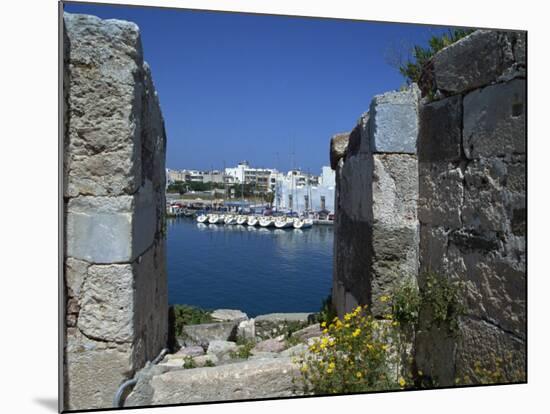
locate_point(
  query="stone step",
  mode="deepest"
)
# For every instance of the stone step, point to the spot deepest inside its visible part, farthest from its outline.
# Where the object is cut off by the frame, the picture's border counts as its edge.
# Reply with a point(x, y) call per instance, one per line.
point(251, 379)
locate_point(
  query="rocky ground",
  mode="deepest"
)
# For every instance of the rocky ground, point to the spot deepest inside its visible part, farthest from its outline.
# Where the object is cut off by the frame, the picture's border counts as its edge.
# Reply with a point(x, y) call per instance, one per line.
point(232, 358)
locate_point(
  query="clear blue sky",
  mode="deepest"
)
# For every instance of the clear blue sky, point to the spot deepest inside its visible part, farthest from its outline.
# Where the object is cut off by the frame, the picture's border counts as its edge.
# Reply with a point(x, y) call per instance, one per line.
point(250, 87)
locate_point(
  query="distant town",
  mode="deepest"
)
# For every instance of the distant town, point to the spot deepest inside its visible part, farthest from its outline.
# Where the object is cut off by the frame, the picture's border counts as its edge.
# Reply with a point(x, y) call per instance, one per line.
point(294, 189)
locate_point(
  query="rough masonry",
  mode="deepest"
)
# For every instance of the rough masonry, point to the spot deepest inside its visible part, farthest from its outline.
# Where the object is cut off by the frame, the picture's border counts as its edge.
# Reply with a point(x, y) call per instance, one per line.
point(376, 227)
point(116, 309)
point(472, 205)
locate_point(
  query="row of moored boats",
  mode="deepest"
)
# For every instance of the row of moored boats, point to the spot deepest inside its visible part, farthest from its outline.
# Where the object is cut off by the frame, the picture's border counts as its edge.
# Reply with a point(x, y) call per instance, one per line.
point(279, 222)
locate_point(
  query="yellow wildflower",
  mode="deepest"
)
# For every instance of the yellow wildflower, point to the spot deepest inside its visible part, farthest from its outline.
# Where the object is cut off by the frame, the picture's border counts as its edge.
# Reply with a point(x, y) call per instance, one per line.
point(402, 381)
point(323, 324)
point(347, 316)
point(325, 331)
point(358, 309)
point(356, 332)
point(420, 373)
point(384, 298)
point(385, 347)
point(329, 371)
point(359, 374)
point(304, 368)
point(332, 365)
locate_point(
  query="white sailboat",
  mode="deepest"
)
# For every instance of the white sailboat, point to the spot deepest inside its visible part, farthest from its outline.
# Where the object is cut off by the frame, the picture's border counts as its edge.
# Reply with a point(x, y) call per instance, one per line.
point(283, 223)
point(242, 220)
point(266, 221)
point(215, 218)
point(230, 219)
point(252, 221)
point(302, 223)
point(202, 218)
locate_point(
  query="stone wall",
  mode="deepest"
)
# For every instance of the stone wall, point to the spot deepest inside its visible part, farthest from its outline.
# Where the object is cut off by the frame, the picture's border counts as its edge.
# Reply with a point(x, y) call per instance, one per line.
point(115, 288)
point(376, 227)
point(472, 205)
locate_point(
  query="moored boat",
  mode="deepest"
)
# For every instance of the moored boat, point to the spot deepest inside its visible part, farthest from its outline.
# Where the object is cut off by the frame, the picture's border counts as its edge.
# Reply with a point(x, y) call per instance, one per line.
point(283, 222)
point(242, 219)
point(266, 221)
point(230, 219)
point(252, 221)
point(215, 218)
point(202, 218)
point(302, 223)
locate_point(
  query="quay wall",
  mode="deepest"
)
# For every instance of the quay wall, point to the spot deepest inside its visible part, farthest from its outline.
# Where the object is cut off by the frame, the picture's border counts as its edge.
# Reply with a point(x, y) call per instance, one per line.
point(115, 288)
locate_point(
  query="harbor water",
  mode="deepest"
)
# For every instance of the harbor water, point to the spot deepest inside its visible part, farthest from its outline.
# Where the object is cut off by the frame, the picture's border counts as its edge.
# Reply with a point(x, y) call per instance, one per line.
point(256, 270)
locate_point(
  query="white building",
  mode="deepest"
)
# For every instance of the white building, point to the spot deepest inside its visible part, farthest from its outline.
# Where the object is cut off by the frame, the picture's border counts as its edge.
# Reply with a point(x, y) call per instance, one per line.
point(328, 177)
point(261, 178)
point(300, 192)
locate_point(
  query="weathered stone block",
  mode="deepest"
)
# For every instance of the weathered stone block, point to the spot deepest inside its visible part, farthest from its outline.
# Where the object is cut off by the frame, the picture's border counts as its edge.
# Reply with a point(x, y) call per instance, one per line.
point(75, 274)
point(275, 324)
point(246, 329)
point(228, 315)
point(104, 131)
point(203, 334)
point(489, 202)
point(221, 349)
point(394, 121)
point(471, 62)
point(489, 347)
point(494, 120)
point(310, 331)
point(441, 190)
point(338, 148)
point(151, 299)
point(260, 378)
point(111, 229)
point(394, 189)
point(107, 368)
point(355, 188)
point(269, 345)
point(440, 131)
point(188, 351)
point(107, 303)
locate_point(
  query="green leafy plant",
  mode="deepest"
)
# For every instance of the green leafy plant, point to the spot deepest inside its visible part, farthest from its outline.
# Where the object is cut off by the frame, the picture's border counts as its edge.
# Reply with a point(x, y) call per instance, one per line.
point(443, 299)
point(189, 363)
point(352, 355)
point(327, 312)
point(405, 302)
point(189, 315)
point(209, 363)
point(244, 349)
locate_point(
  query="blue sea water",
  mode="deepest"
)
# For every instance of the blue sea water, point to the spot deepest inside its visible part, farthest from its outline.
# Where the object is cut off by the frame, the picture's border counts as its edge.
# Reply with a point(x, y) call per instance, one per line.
point(253, 269)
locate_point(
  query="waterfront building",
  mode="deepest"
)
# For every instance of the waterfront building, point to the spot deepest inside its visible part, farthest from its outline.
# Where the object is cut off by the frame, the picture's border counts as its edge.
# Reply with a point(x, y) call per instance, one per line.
point(301, 193)
point(260, 178)
point(328, 177)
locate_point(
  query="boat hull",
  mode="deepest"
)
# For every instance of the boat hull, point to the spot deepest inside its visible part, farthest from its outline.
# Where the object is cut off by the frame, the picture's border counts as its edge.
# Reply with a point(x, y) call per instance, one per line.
point(266, 222)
